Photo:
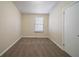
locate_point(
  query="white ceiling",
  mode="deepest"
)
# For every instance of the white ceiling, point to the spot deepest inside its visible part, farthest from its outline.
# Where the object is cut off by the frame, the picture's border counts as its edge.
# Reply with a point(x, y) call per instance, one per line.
point(34, 6)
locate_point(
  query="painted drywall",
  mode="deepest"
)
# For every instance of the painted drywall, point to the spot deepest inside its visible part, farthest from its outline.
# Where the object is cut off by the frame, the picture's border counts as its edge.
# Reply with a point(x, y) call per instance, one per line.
point(10, 25)
point(28, 22)
point(56, 23)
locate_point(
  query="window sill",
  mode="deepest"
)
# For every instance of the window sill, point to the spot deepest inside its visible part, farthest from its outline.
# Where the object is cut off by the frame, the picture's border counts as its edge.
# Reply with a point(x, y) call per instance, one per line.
point(39, 31)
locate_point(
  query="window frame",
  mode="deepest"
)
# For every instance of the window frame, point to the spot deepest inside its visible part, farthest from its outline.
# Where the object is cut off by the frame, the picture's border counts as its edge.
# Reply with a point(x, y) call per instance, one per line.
point(39, 24)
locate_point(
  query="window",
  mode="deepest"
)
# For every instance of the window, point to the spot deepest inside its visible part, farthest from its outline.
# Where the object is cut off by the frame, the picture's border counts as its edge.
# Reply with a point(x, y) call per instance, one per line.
point(39, 24)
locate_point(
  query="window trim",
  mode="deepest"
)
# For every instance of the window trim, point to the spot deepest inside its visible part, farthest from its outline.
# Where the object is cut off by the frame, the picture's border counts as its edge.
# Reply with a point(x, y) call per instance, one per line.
point(38, 24)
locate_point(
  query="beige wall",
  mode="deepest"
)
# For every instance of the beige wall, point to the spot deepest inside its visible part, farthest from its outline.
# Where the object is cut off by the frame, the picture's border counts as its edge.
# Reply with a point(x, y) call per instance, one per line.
point(28, 21)
point(56, 23)
point(9, 24)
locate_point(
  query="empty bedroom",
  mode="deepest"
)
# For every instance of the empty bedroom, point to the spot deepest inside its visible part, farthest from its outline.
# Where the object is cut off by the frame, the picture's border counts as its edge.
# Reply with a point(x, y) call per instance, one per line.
point(39, 28)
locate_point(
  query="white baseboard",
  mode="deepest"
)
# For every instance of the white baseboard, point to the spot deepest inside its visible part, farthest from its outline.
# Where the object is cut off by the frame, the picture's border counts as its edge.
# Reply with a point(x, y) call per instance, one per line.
point(61, 47)
point(34, 36)
point(9, 46)
point(57, 45)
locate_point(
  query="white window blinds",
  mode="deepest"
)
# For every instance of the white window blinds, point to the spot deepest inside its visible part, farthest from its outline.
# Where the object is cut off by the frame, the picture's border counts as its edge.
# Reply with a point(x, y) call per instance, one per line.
point(39, 24)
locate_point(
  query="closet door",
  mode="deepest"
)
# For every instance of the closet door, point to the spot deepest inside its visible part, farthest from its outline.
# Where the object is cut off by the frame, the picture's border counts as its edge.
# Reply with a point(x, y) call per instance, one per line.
point(71, 30)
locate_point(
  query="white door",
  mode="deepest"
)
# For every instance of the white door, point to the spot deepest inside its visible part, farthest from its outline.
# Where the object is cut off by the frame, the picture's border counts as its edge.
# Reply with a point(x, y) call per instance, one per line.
point(71, 30)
